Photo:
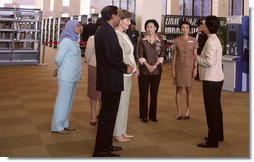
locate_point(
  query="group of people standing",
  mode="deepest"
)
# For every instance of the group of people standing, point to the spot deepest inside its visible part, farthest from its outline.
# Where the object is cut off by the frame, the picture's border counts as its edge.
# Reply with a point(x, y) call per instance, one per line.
point(111, 65)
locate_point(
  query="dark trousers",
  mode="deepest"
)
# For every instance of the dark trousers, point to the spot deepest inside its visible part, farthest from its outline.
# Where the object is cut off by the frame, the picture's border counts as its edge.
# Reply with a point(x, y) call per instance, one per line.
point(106, 121)
point(214, 116)
point(146, 82)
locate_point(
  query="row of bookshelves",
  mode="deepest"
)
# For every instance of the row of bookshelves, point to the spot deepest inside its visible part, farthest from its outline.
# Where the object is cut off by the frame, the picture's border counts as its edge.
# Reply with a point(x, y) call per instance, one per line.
point(20, 36)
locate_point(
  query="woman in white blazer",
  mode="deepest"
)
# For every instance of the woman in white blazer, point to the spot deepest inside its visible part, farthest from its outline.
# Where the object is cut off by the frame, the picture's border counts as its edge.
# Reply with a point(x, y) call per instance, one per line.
point(210, 72)
point(128, 58)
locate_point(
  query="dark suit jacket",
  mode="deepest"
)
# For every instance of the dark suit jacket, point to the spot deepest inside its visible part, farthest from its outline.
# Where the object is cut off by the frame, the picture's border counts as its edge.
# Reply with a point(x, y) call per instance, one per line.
point(88, 30)
point(201, 41)
point(109, 60)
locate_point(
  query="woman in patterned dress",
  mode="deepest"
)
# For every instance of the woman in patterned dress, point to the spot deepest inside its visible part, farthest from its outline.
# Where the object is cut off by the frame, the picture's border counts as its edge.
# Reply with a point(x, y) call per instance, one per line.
point(184, 67)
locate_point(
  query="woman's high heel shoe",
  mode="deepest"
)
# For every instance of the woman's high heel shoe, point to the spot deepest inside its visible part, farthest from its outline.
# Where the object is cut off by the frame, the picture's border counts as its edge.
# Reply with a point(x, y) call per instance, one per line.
point(178, 117)
point(122, 139)
point(186, 117)
point(127, 136)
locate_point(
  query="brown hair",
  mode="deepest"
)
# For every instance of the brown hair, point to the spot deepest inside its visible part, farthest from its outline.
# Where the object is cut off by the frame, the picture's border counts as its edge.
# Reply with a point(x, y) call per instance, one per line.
point(124, 14)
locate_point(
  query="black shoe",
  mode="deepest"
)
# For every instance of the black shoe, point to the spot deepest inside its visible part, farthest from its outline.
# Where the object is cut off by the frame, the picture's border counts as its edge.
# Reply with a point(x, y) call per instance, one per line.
point(105, 154)
point(186, 117)
point(206, 138)
point(153, 119)
point(144, 120)
point(115, 148)
point(178, 117)
point(205, 145)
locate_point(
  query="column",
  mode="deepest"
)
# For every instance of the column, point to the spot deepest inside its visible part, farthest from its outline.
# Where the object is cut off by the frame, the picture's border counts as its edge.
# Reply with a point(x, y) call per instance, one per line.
point(75, 7)
point(173, 7)
point(220, 8)
point(58, 7)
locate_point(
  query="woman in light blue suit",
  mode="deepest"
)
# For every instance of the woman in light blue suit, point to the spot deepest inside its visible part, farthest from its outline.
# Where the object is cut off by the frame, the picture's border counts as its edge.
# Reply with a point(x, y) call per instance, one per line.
point(69, 66)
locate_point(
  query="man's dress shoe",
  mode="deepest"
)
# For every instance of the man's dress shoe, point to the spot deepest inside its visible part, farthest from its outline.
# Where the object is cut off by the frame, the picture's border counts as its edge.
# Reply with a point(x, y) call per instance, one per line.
point(115, 148)
point(144, 120)
point(205, 145)
point(206, 138)
point(153, 119)
point(105, 154)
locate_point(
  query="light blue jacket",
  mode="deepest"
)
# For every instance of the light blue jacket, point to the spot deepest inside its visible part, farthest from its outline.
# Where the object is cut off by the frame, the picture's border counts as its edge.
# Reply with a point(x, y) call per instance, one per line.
point(68, 61)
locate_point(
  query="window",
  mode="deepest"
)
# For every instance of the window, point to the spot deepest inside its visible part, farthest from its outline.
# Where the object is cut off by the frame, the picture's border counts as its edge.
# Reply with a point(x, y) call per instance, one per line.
point(237, 7)
point(116, 3)
point(131, 5)
point(195, 7)
point(125, 4)
point(188, 7)
point(181, 7)
point(206, 7)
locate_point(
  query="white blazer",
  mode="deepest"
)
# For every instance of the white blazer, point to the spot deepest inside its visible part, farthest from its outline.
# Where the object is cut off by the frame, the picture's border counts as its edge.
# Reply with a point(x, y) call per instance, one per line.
point(210, 65)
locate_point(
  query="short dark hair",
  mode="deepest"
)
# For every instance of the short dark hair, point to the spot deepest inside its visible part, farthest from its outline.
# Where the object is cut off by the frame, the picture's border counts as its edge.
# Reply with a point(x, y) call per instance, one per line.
point(99, 22)
point(184, 22)
point(212, 23)
point(152, 21)
point(90, 19)
point(133, 23)
point(108, 11)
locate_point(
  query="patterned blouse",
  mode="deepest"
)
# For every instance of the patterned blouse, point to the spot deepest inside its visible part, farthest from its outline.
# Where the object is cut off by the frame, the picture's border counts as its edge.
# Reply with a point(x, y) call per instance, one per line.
point(151, 53)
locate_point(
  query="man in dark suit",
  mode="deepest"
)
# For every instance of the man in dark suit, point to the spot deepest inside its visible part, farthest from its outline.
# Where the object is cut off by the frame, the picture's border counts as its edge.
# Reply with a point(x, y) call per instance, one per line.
point(110, 69)
point(201, 39)
point(134, 37)
point(88, 30)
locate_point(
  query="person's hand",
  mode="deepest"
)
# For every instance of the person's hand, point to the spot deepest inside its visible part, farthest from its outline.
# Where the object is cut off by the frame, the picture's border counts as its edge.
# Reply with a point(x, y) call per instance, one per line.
point(129, 69)
point(135, 73)
point(152, 68)
point(55, 72)
point(194, 73)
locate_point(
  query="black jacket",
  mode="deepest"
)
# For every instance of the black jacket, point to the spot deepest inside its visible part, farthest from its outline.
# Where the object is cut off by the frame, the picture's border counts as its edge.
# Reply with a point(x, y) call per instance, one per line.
point(88, 30)
point(202, 38)
point(109, 60)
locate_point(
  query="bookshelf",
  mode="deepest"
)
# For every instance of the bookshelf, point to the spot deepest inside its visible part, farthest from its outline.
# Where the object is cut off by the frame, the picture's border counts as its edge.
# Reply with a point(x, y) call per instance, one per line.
point(20, 36)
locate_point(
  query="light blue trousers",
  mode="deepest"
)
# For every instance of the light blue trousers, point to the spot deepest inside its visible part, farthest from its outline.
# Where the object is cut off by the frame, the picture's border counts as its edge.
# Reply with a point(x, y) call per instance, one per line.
point(64, 100)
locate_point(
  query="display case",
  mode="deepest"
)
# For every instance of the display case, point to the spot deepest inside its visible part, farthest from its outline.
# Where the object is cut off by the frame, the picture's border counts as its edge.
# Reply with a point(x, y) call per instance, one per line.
point(20, 36)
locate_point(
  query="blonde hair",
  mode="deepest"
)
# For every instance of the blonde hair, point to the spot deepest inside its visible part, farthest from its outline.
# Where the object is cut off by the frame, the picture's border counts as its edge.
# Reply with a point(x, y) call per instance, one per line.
point(124, 14)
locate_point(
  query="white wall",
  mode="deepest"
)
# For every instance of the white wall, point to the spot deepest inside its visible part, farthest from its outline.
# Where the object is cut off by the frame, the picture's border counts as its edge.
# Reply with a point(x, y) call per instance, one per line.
point(57, 8)
point(99, 4)
point(75, 7)
point(223, 8)
point(148, 9)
